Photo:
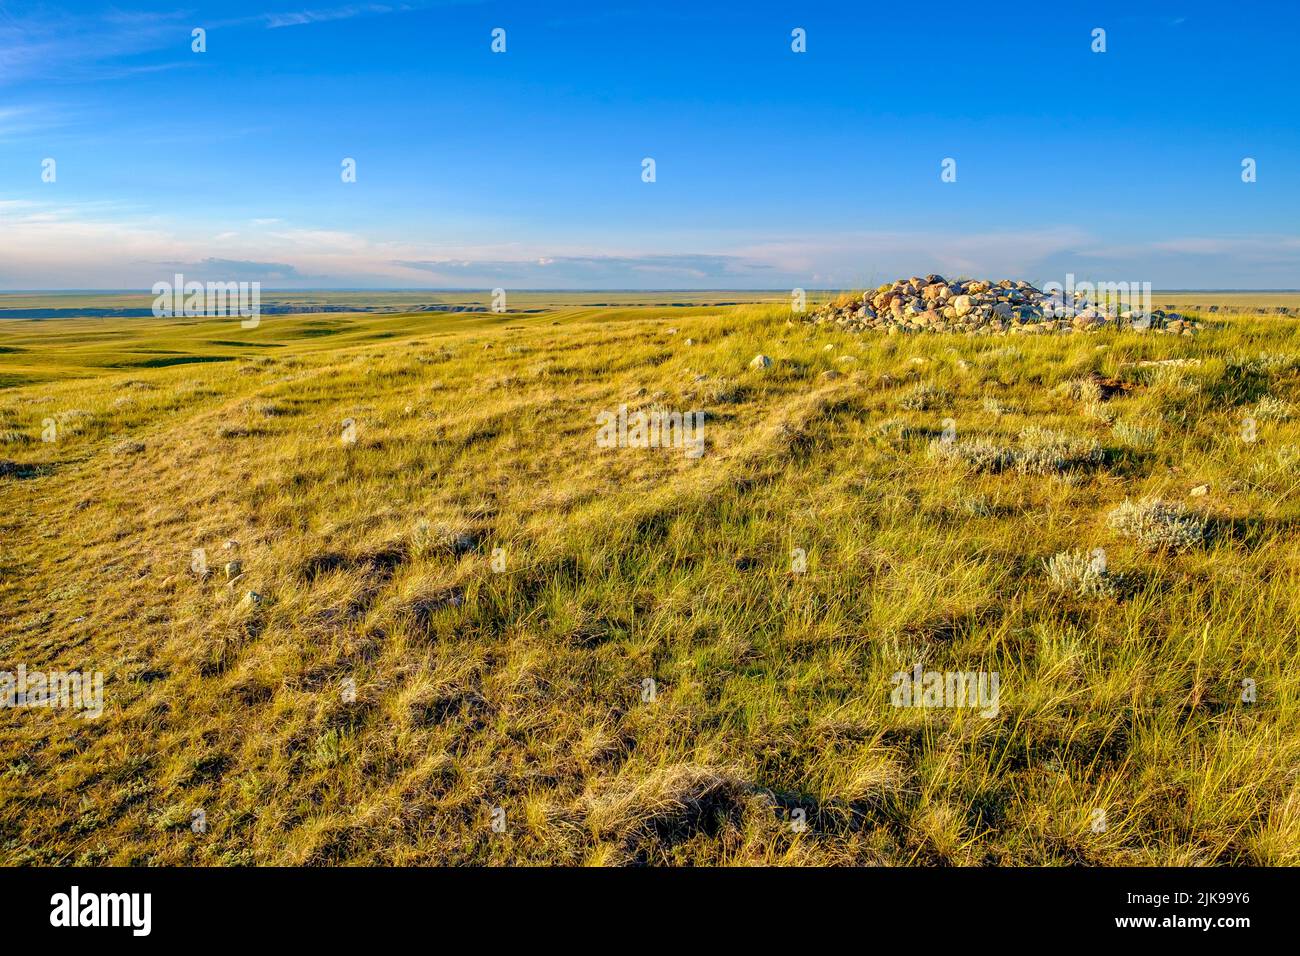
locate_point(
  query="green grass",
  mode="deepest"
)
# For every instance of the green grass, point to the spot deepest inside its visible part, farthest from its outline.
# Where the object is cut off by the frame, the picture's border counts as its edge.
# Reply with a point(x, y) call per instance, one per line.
point(517, 301)
point(526, 688)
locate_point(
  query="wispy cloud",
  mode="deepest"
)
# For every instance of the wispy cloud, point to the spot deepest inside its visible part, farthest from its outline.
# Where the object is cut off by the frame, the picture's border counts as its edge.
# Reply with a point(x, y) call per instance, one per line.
point(107, 245)
point(307, 17)
point(587, 270)
point(235, 269)
point(17, 120)
point(103, 45)
point(84, 45)
point(1264, 248)
point(275, 21)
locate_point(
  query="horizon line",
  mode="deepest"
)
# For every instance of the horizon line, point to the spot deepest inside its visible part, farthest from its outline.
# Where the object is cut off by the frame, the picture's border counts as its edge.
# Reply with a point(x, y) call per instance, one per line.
point(485, 291)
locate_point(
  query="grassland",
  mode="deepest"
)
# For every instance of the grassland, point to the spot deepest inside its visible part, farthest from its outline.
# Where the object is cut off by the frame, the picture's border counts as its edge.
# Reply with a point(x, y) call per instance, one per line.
point(64, 304)
point(552, 300)
point(498, 591)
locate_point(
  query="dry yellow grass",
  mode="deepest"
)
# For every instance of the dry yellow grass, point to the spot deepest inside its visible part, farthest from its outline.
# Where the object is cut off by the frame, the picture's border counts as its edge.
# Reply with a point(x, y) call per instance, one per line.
point(463, 600)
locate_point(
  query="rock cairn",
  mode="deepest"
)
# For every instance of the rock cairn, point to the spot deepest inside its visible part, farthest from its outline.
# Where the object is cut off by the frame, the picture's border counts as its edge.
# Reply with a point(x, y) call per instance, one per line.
point(984, 307)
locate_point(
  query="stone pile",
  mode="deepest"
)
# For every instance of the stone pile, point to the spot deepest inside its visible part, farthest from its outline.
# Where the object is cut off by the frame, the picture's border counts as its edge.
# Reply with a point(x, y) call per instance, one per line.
point(983, 307)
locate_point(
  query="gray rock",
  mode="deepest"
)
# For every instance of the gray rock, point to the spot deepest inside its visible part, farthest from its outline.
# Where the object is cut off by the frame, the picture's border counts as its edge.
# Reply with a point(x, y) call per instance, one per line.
point(982, 307)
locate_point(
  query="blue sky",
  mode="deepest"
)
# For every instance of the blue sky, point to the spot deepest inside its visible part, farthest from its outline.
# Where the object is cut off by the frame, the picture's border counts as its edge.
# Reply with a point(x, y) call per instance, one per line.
point(774, 169)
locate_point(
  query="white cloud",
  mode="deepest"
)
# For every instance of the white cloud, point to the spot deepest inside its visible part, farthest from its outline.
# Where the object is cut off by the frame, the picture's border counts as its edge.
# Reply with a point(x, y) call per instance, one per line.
point(83, 45)
point(304, 17)
point(90, 45)
point(102, 245)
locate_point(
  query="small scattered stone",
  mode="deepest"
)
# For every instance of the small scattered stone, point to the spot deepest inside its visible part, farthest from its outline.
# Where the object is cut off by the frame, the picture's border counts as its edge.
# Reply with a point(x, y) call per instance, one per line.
point(1200, 491)
point(760, 361)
